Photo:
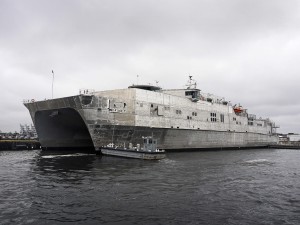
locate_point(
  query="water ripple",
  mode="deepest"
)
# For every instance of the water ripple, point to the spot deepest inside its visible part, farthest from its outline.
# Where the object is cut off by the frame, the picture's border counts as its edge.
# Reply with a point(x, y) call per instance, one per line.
point(220, 187)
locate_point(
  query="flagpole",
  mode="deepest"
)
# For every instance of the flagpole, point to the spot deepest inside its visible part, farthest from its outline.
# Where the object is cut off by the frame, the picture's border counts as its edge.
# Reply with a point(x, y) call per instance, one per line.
point(52, 82)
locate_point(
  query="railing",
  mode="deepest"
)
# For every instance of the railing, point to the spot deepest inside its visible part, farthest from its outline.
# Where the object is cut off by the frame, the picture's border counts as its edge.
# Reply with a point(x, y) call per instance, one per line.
point(252, 116)
point(214, 99)
point(28, 101)
point(86, 91)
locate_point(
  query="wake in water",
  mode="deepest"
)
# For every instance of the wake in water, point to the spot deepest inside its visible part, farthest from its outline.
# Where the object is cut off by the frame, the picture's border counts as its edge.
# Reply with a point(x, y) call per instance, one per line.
point(255, 162)
point(61, 156)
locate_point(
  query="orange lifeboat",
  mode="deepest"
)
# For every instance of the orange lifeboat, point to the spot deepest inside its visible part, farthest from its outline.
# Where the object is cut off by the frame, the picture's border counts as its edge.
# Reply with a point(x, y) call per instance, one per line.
point(238, 109)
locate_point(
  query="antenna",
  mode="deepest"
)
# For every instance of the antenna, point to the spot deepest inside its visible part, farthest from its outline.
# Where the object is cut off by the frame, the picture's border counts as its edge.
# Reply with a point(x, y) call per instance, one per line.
point(156, 82)
point(192, 84)
point(137, 79)
point(52, 82)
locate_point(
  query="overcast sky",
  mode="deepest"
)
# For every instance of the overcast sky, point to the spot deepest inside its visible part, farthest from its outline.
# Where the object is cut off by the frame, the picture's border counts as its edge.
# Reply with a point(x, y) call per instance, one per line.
point(247, 51)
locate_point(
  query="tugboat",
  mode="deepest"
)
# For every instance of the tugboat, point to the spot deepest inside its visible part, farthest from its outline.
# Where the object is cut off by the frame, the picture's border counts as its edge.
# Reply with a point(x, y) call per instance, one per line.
point(149, 150)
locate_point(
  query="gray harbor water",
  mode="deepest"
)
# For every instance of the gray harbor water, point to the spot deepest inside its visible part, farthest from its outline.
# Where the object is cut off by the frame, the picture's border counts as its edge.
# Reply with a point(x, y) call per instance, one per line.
point(260, 186)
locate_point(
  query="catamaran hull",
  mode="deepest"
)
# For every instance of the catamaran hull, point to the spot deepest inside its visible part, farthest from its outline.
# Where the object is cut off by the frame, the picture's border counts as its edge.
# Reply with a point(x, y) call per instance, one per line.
point(66, 129)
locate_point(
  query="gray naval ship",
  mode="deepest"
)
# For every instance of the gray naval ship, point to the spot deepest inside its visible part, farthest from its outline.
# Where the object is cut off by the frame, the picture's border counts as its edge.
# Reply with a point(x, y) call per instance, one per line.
point(180, 119)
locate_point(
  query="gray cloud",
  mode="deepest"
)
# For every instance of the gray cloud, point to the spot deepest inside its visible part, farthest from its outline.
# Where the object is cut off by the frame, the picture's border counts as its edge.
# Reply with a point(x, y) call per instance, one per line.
point(246, 51)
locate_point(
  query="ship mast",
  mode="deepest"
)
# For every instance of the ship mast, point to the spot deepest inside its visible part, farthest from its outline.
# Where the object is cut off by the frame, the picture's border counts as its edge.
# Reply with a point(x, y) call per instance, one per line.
point(192, 84)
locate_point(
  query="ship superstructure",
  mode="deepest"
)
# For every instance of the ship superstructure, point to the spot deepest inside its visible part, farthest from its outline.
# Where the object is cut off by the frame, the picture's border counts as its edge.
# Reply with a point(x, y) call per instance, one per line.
point(179, 118)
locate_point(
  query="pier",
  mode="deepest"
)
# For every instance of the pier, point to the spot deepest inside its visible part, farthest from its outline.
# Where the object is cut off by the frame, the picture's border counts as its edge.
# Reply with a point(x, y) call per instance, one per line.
point(19, 144)
point(285, 146)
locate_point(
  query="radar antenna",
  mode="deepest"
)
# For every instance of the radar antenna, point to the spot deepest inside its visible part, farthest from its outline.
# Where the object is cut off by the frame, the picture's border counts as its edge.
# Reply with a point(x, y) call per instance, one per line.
point(192, 84)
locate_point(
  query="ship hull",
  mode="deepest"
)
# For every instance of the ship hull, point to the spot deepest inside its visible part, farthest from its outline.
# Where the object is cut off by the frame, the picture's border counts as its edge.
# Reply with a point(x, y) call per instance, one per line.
point(65, 129)
point(62, 129)
point(180, 139)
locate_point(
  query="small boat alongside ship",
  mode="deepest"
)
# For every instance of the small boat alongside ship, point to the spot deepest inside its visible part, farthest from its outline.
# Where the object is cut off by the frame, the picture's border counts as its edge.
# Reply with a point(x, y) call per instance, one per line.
point(149, 151)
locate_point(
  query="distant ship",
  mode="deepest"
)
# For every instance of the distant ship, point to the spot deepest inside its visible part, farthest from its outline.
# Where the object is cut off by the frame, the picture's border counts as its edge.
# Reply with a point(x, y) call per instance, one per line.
point(180, 119)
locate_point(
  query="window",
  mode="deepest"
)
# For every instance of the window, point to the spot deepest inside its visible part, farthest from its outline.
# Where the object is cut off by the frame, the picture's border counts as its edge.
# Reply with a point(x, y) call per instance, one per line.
point(178, 111)
point(213, 117)
point(191, 93)
point(222, 118)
